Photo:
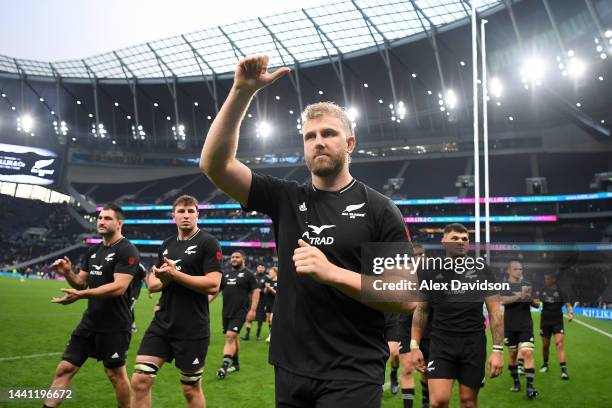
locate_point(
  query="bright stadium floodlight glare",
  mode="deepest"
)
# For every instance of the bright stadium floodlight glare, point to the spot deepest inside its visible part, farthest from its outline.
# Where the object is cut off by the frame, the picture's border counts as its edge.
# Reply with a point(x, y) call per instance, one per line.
point(25, 123)
point(263, 129)
point(352, 113)
point(451, 99)
point(496, 87)
point(576, 68)
point(401, 109)
point(533, 70)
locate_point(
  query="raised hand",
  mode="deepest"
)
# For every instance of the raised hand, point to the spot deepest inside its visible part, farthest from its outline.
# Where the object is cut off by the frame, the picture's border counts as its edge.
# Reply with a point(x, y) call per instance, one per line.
point(62, 266)
point(252, 73)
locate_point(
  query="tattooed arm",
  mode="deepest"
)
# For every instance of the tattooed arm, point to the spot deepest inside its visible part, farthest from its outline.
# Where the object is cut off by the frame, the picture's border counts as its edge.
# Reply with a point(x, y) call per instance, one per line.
point(496, 319)
point(419, 321)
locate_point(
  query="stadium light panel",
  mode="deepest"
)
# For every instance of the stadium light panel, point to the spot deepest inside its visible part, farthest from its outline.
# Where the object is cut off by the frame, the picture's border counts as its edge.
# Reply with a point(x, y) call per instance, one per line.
point(353, 113)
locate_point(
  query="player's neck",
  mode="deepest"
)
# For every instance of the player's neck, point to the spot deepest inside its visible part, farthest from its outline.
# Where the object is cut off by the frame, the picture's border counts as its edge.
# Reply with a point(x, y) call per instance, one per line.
point(111, 239)
point(514, 280)
point(334, 182)
point(184, 235)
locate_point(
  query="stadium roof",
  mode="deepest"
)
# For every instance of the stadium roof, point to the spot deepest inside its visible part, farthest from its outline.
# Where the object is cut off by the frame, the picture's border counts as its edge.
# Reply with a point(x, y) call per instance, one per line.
point(307, 36)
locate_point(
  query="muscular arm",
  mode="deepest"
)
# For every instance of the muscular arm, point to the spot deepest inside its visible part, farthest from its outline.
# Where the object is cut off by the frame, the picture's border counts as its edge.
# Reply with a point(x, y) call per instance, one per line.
point(254, 299)
point(218, 158)
point(207, 284)
point(113, 289)
point(77, 281)
point(496, 319)
point(349, 283)
point(419, 321)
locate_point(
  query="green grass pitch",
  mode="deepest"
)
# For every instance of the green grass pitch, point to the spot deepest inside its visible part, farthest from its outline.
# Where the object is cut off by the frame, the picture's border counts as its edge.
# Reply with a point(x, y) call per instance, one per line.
point(30, 325)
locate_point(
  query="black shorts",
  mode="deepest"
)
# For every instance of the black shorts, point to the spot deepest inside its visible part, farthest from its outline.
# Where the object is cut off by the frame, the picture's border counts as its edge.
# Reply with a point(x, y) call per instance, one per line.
point(404, 327)
point(548, 329)
point(110, 348)
point(270, 303)
point(296, 391)
point(425, 346)
point(391, 327)
point(512, 338)
point(461, 357)
point(188, 355)
point(260, 313)
point(234, 323)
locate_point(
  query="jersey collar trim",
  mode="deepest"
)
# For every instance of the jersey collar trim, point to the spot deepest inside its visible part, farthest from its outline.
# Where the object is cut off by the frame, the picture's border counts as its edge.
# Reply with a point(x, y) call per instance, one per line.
point(190, 238)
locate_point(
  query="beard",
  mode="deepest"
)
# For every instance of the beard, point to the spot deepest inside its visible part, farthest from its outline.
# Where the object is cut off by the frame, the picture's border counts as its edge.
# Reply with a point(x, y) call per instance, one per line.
point(329, 166)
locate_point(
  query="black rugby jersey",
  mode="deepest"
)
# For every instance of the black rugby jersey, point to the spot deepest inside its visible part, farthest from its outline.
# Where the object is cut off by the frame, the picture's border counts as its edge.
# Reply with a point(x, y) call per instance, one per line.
point(517, 315)
point(553, 301)
point(183, 313)
point(319, 331)
point(237, 285)
point(109, 314)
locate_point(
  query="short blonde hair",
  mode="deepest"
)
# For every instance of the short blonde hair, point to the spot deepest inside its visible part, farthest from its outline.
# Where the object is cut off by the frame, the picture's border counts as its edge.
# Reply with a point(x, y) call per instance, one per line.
point(319, 109)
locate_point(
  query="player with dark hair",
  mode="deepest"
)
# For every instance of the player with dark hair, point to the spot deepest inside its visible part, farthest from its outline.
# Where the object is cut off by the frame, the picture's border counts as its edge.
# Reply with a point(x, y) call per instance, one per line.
point(260, 313)
point(328, 347)
point(458, 341)
point(518, 327)
point(104, 332)
point(236, 286)
point(551, 322)
point(270, 288)
point(187, 272)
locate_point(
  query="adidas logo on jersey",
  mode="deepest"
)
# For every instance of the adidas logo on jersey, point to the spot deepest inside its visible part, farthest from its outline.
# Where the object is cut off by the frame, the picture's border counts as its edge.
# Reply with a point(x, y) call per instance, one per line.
point(93, 256)
point(165, 252)
point(302, 207)
point(190, 250)
point(318, 231)
point(349, 211)
point(110, 257)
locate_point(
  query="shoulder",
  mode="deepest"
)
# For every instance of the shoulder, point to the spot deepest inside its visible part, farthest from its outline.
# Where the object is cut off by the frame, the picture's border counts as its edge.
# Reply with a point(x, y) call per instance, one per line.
point(126, 245)
point(204, 237)
point(264, 179)
point(377, 200)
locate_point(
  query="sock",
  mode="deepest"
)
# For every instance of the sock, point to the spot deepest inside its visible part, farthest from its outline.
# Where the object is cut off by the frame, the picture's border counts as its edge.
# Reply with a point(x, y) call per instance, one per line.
point(235, 360)
point(521, 362)
point(530, 375)
point(258, 331)
point(425, 391)
point(514, 373)
point(227, 360)
point(546, 362)
point(248, 329)
point(408, 397)
point(563, 367)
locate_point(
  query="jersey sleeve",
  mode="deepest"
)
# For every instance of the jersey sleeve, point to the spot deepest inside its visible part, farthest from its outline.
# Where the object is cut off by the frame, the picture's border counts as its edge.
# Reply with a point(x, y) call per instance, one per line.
point(266, 194)
point(390, 224)
point(251, 281)
point(85, 264)
point(211, 261)
point(128, 260)
point(160, 257)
